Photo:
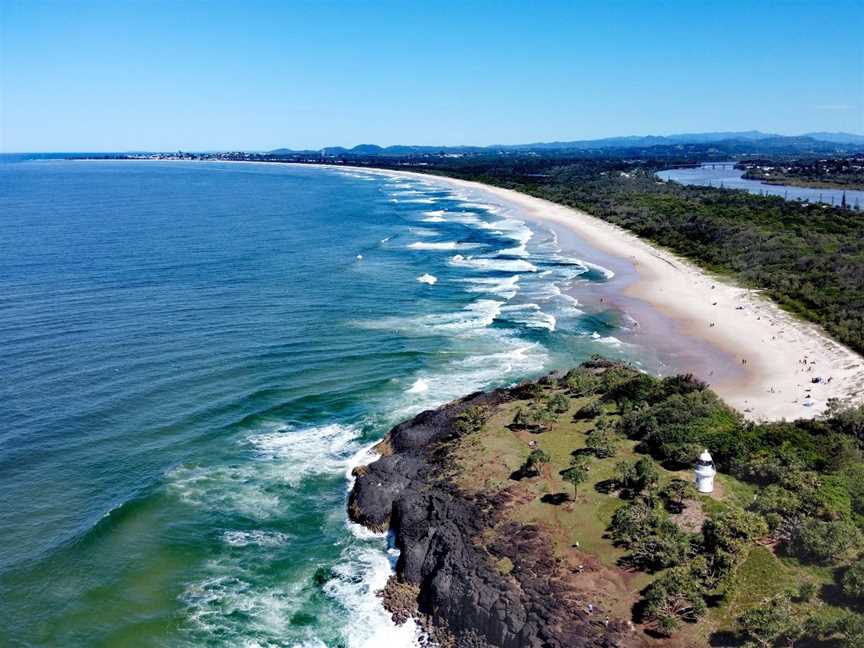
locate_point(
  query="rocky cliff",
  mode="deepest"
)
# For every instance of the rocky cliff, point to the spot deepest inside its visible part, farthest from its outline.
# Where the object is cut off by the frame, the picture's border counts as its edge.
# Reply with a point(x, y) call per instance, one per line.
point(474, 577)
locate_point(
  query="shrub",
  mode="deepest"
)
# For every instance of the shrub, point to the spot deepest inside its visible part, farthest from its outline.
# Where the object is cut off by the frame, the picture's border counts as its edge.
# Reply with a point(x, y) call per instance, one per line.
point(472, 419)
point(677, 492)
point(602, 441)
point(535, 461)
point(637, 477)
point(590, 410)
point(580, 382)
point(633, 521)
point(559, 403)
point(771, 623)
point(853, 580)
point(674, 597)
point(664, 545)
point(825, 542)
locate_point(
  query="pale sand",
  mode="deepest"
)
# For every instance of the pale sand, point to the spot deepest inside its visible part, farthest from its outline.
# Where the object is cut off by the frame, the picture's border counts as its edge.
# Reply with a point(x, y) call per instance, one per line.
point(775, 381)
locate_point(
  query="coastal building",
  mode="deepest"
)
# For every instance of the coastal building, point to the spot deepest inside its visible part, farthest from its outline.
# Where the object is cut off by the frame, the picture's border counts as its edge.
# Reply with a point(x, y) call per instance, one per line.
point(705, 472)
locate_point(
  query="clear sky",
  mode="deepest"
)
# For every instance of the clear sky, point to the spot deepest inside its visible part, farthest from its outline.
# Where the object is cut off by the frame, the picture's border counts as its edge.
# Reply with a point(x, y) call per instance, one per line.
point(150, 75)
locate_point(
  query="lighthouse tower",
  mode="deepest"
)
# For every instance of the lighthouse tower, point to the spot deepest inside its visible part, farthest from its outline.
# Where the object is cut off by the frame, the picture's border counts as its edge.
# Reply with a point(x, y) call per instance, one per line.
point(705, 472)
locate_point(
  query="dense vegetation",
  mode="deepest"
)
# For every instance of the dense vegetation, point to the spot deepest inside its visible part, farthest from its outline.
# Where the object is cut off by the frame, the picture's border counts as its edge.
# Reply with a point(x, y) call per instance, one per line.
point(808, 478)
point(809, 258)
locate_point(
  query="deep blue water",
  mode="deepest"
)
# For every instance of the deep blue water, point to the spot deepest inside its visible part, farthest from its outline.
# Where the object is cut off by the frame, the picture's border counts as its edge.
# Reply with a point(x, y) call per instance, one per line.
point(195, 355)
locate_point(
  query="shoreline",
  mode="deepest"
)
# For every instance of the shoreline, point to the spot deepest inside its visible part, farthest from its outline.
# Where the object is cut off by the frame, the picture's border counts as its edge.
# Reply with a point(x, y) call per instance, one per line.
point(771, 356)
point(757, 357)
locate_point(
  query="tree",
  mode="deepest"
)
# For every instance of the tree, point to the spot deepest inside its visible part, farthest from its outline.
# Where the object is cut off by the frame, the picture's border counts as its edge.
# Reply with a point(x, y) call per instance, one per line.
point(853, 580)
point(771, 623)
point(724, 537)
point(674, 597)
point(602, 440)
point(646, 475)
point(543, 418)
point(577, 473)
point(521, 418)
point(779, 506)
point(535, 461)
point(559, 403)
point(535, 416)
point(663, 546)
point(825, 542)
point(580, 382)
point(677, 492)
point(731, 529)
point(633, 521)
point(638, 477)
point(591, 410)
point(472, 419)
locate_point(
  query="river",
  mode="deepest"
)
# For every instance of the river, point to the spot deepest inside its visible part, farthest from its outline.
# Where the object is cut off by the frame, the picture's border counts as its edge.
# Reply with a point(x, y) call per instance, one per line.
point(725, 175)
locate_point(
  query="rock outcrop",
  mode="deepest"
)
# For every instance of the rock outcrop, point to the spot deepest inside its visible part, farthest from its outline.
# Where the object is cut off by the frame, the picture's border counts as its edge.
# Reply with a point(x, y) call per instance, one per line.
point(451, 558)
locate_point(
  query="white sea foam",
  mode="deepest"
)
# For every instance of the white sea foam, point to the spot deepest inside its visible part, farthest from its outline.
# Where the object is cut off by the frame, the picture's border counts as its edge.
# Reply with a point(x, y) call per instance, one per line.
point(359, 176)
point(308, 451)
point(444, 245)
point(422, 231)
point(608, 340)
point(510, 228)
point(282, 456)
point(229, 604)
point(505, 286)
point(530, 315)
point(460, 217)
point(257, 537)
point(606, 272)
point(423, 201)
point(498, 355)
point(434, 219)
point(476, 315)
point(428, 279)
point(502, 265)
point(520, 251)
point(420, 386)
point(478, 205)
point(362, 573)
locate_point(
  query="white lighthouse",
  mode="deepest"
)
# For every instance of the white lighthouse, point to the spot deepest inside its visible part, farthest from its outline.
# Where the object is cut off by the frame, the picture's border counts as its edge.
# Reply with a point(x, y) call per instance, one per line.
point(705, 472)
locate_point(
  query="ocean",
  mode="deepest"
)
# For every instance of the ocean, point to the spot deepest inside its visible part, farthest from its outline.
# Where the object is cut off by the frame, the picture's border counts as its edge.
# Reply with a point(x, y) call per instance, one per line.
point(195, 356)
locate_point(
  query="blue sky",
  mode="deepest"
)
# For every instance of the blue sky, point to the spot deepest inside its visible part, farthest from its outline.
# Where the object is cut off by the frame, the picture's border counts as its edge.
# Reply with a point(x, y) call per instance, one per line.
point(136, 75)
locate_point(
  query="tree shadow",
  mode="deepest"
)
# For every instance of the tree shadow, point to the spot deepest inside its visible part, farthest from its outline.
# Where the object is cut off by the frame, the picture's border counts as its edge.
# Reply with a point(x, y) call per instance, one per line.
point(832, 593)
point(724, 639)
point(606, 486)
point(556, 499)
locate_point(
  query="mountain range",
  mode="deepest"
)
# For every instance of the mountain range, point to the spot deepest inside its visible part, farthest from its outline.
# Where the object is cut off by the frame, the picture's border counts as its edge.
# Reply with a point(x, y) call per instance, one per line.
point(814, 142)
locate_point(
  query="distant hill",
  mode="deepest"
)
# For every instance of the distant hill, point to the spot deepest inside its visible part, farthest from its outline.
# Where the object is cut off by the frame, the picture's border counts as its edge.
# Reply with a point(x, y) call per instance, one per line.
point(839, 138)
point(732, 142)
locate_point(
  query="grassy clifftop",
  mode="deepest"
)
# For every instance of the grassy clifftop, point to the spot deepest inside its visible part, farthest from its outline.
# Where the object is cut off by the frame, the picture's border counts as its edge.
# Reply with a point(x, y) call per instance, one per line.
point(594, 470)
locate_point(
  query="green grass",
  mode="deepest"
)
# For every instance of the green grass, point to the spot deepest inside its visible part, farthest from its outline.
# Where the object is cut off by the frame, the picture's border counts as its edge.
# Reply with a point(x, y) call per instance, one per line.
point(487, 459)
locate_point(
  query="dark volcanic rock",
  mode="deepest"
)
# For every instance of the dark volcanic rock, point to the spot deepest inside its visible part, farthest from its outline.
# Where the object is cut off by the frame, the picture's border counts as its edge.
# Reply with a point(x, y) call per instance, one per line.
point(437, 527)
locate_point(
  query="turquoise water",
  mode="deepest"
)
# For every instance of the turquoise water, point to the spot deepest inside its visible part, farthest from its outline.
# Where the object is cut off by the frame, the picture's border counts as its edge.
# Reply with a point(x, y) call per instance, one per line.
point(195, 355)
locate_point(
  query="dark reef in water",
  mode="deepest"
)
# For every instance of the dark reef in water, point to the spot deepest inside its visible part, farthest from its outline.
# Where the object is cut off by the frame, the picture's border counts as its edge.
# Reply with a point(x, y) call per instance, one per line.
point(448, 573)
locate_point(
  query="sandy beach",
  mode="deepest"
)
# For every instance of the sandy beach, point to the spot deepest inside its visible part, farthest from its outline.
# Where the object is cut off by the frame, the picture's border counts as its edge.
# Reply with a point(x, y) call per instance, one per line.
point(776, 365)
